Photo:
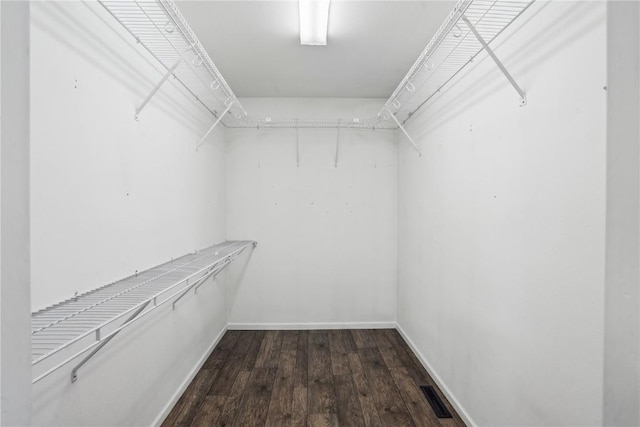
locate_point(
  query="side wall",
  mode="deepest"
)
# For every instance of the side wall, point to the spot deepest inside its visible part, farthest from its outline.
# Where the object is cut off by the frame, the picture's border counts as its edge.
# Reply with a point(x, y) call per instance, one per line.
point(111, 195)
point(622, 286)
point(501, 226)
point(327, 235)
point(15, 315)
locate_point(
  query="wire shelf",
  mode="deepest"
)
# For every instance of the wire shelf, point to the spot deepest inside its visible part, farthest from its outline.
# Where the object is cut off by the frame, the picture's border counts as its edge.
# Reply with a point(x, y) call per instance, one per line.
point(161, 29)
point(63, 332)
point(453, 47)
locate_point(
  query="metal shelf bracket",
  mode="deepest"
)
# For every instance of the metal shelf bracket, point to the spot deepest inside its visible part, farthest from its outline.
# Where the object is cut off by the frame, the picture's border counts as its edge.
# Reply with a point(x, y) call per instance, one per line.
point(213, 272)
point(395, 119)
point(74, 371)
point(523, 96)
point(297, 144)
point(214, 125)
point(157, 87)
point(337, 145)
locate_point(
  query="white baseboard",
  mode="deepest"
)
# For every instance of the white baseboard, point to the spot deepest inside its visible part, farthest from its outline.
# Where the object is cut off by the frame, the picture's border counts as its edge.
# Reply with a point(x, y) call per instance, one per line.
point(301, 326)
point(176, 396)
point(436, 378)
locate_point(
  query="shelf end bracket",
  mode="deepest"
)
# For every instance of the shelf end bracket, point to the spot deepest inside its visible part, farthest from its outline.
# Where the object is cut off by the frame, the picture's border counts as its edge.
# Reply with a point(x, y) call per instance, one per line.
point(157, 87)
point(297, 144)
point(395, 119)
point(214, 126)
point(523, 96)
point(74, 371)
point(337, 145)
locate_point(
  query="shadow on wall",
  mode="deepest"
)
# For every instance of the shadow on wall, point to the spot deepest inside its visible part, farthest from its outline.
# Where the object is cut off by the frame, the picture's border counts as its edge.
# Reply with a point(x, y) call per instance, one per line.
point(550, 39)
point(60, 23)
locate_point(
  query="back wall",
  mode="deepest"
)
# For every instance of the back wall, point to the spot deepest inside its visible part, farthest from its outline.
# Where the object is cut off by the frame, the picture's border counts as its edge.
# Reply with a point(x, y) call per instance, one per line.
point(327, 235)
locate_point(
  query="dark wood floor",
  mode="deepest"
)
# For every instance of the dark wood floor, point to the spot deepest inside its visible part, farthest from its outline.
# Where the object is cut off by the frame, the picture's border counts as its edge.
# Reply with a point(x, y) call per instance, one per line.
point(314, 378)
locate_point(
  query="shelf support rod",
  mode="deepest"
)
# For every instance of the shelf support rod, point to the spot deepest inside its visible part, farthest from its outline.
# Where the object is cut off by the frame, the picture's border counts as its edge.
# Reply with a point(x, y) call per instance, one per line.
point(226, 262)
point(168, 74)
point(523, 97)
point(215, 269)
point(297, 144)
point(74, 372)
point(395, 119)
point(337, 144)
point(214, 126)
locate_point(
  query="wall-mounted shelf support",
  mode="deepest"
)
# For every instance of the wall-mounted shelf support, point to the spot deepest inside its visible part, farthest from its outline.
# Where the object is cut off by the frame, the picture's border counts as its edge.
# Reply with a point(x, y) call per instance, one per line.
point(74, 371)
point(523, 97)
point(337, 144)
point(297, 144)
point(213, 272)
point(395, 119)
point(157, 87)
point(214, 126)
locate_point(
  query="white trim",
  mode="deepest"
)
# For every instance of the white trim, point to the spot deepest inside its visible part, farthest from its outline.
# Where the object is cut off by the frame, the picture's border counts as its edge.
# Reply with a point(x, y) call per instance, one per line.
point(311, 325)
point(441, 385)
point(176, 396)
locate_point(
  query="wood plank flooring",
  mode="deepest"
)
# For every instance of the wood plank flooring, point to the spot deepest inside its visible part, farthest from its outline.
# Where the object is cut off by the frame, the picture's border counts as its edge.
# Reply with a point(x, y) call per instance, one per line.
point(360, 377)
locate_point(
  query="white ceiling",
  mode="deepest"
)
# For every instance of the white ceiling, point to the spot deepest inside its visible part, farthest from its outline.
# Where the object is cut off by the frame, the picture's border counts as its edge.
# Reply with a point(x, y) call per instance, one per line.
point(371, 45)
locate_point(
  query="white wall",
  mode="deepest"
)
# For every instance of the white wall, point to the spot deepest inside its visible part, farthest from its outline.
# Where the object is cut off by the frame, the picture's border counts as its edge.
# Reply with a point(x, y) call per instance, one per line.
point(327, 236)
point(622, 290)
point(501, 226)
point(109, 196)
point(15, 317)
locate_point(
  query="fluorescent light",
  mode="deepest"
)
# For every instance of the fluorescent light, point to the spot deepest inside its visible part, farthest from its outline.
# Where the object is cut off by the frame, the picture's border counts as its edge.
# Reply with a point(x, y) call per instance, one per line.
point(314, 21)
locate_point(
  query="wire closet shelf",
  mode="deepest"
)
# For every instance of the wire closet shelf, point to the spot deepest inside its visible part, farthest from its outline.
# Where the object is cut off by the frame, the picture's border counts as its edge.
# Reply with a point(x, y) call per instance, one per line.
point(162, 30)
point(82, 325)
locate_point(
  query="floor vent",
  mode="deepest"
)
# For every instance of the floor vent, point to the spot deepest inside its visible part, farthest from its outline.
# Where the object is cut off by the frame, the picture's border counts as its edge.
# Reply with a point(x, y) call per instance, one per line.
point(436, 403)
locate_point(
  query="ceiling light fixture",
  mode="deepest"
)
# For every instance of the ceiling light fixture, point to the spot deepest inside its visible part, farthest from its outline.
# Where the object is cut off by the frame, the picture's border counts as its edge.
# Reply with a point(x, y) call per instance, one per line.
point(314, 21)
